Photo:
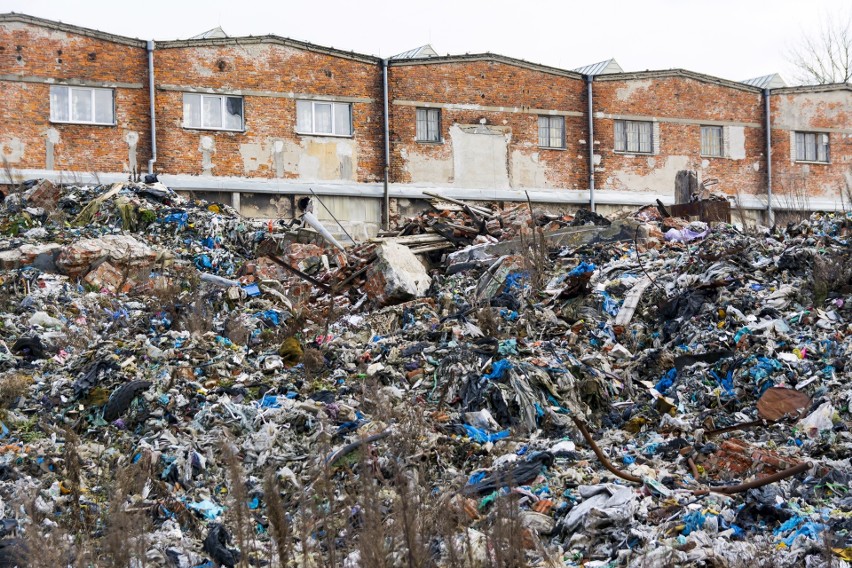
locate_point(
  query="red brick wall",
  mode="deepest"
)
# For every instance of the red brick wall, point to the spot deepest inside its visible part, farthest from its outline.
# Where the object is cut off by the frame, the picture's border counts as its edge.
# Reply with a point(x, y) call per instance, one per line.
point(269, 68)
point(802, 111)
point(489, 84)
point(25, 107)
point(506, 95)
point(679, 142)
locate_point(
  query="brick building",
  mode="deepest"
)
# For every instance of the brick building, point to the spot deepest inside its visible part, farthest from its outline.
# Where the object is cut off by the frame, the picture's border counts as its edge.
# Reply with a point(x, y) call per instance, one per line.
point(486, 121)
point(259, 121)
point(73, 100)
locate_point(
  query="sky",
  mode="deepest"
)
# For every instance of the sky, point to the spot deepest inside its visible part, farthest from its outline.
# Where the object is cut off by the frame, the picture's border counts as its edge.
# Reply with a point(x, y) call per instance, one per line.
point(732, 39)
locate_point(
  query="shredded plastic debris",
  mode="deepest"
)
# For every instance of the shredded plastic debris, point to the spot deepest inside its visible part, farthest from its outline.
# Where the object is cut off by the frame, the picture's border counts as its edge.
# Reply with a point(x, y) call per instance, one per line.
point(181, 386)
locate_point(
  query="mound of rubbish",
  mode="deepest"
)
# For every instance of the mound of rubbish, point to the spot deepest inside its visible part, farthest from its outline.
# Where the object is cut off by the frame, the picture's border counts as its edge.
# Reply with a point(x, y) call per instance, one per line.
point(481, 386)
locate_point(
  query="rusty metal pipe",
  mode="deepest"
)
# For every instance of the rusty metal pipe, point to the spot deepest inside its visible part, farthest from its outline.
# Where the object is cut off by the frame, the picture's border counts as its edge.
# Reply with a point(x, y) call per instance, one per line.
point(755, 483)
point(740, 426)
point(603, 459)
point(693, 468)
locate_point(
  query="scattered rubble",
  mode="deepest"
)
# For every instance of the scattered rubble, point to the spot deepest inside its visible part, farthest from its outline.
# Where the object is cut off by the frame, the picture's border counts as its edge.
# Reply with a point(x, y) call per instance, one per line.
point(180, 386)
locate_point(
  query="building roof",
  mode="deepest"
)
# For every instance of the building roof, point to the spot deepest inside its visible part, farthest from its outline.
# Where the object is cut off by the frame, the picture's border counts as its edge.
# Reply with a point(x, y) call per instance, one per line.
point(216, 32)
point(421, 52)
point(69, 28)
point(490, 57)
point(600, 68)
point(678, 73)
point(771, 81)
point(267, 39)
point(828, 87)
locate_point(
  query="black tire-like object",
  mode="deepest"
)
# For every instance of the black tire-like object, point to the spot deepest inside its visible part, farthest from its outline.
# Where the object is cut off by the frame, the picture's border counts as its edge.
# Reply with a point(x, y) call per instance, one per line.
point(121, 398)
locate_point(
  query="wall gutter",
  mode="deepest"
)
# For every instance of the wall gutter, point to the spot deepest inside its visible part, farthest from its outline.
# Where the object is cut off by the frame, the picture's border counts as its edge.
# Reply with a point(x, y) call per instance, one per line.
point(591, 142)
point(278, 187)
point(386, 206)
point(770, 220)
point(152, 98)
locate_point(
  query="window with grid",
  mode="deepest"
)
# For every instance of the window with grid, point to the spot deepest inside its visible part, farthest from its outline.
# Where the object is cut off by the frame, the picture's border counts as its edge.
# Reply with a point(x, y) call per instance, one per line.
point(323, 117)
point(428, 125)
point(214, 112)
point(711, 141)
point(551, 131)
point(82, 105)
point(812, 147)
point(633, 136)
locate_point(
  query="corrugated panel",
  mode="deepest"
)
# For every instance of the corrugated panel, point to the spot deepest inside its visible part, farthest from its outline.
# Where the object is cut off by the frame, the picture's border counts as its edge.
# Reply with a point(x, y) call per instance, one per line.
point(600, 68)
point(215, 33)
point(421, 52)
point(772, 81)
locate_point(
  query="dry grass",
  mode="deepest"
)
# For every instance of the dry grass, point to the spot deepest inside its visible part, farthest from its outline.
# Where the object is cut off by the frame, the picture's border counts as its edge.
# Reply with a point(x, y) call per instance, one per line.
point(313, 362)
point(830, 274)
point(12, 387)
point(488, 322)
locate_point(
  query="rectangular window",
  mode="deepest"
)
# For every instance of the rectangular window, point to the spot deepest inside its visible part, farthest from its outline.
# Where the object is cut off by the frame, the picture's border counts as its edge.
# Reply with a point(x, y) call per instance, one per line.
point(83, 105)
point(428, 125)
point(551, 131)
point(633, 136)
point(216, 112)
point(711, 141)
point(320, 117)
point(811, 147)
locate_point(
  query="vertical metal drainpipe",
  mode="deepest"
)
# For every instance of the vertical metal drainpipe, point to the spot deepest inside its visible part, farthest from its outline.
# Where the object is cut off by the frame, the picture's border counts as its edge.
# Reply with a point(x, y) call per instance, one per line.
point(153, 111)
point(769, 215)
point(589, 80)
point(386, 207)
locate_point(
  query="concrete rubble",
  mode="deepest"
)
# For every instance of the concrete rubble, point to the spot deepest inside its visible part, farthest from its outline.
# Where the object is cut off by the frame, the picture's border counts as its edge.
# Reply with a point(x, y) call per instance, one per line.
point(480, 386)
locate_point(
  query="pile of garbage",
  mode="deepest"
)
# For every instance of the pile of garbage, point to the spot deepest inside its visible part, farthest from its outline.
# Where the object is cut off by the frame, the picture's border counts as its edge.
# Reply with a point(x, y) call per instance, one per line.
point(181, 386)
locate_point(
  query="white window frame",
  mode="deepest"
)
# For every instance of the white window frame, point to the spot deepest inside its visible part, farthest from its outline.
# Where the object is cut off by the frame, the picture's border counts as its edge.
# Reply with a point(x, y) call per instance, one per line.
point(706, 151)
point(625, 139)
point(68, 94)
point(546, 124)
point(809, 146)
point(335, 128)
point(428, 125)
point(223, 102)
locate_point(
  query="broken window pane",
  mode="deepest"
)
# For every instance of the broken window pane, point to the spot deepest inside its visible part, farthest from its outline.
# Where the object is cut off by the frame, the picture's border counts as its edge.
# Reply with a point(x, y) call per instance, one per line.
point(342, 120)
point(59, 110)
point(212, 111)
point(234, 113)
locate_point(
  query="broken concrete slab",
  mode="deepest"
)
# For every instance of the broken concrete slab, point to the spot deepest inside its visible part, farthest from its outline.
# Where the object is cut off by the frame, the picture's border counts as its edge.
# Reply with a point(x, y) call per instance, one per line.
point(396, 276)
point(29, 254)
point(123, 250)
